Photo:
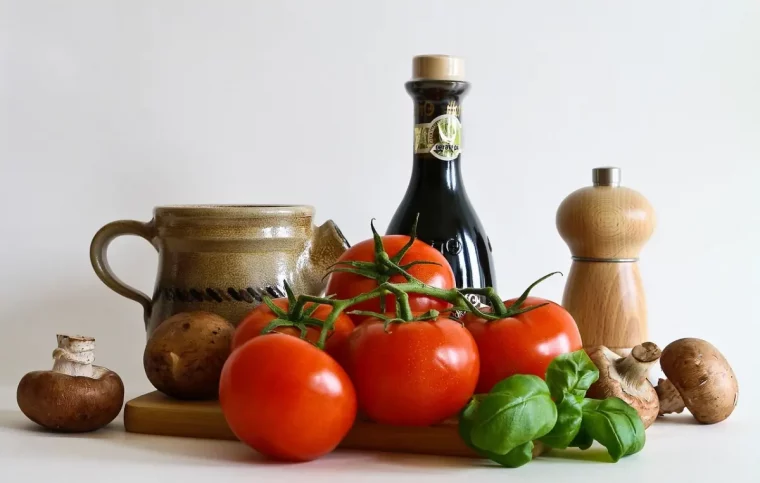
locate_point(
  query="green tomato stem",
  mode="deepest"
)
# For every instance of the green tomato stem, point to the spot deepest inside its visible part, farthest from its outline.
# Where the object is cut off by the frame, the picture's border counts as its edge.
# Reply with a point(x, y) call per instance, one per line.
point(381, 270)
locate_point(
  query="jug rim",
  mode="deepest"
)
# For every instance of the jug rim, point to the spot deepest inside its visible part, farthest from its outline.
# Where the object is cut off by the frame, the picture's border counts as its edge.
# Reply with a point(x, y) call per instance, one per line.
point(233, 210)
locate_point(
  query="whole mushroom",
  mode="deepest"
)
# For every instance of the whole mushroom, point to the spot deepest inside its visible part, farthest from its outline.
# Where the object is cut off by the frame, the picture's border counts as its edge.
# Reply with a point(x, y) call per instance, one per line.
point(75, 396)
point(698, 378)
point(626, 378)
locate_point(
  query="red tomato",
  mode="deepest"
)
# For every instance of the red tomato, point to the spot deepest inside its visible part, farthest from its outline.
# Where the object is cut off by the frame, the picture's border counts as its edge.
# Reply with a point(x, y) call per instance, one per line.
point(258, 318)
point(524, 344)
point(348, 285)
point(416, 374)
point(285, 398)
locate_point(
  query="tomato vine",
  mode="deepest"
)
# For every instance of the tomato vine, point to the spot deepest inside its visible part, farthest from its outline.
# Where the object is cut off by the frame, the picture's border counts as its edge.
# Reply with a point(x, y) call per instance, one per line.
point(299, 315)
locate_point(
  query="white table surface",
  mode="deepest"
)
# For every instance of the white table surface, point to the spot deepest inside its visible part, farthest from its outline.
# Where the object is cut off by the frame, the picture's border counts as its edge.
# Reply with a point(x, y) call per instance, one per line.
point(676, 450)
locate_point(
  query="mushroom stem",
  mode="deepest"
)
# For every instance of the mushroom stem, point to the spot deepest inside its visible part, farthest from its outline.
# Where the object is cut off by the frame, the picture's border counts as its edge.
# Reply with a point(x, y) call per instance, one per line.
point(626, 378)
point(670, 399)
point(634, 368)
point(74, 356)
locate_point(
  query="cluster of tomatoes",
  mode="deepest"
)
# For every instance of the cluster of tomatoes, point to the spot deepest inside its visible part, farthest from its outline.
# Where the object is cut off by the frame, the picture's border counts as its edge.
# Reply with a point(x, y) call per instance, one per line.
point(289, 400)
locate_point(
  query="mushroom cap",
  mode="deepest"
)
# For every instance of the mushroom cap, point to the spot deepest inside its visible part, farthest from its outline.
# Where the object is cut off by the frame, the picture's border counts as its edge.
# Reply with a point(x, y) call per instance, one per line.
point(703, 377)
point(641, 396)
point(71, 403)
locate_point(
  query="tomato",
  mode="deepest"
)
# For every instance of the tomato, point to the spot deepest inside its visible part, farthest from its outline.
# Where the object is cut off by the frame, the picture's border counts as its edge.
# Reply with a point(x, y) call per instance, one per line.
point(348, 285)
point(416, 373)
point(285, 398)
point(523, 344)
point(258, 318)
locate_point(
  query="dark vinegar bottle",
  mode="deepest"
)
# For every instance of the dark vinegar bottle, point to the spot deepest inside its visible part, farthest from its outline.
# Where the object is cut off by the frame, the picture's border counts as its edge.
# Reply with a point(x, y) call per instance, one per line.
point(436, 190)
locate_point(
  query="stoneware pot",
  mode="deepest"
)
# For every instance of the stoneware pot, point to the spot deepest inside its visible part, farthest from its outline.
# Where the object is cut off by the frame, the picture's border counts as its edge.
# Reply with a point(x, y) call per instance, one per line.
point(223, 258)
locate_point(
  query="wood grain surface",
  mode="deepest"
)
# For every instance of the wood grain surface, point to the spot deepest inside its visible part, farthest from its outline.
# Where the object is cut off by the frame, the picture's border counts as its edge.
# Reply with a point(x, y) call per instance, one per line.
point(605, 222)
point(608, 303)
point(155, 413)
point(604, 225)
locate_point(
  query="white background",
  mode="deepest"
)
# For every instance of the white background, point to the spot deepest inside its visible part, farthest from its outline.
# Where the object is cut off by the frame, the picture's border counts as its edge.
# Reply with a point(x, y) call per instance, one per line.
point(110, 108)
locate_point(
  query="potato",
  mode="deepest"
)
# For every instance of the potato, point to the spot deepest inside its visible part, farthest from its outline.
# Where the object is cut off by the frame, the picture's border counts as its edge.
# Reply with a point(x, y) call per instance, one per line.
point(185, 355)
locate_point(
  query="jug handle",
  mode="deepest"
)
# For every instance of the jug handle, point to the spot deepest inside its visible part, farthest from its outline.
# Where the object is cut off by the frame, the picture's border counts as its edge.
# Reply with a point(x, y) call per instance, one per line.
point(99, 259)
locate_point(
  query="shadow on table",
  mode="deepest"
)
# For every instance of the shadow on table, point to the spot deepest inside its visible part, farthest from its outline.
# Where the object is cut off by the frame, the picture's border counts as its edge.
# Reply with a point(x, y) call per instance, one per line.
point(213, 452)
point(684, 418)
point(115, 444)
point(591, 455)
point(15, 419)
point(407, 461)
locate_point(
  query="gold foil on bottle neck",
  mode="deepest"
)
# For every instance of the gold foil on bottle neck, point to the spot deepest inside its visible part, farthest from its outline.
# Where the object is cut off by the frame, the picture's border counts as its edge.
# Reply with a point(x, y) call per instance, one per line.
point(437, 67)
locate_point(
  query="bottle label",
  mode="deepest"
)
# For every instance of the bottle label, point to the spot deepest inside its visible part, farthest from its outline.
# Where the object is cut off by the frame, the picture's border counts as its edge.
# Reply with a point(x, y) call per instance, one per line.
point(478, 301)
point(441, 137)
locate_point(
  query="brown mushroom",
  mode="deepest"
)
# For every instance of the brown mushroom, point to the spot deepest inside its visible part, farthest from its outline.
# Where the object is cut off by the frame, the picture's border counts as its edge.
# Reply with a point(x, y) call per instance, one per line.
point(698, 378)
point(626, 378)
point(185, 355)
point(75, 396)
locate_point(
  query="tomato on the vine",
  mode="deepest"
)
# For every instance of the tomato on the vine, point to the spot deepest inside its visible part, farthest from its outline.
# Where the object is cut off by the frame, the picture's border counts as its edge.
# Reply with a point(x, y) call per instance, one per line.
point(435, 273)
point(257, 319)
point(522, 344)
point(285, 398)
point(415, 373)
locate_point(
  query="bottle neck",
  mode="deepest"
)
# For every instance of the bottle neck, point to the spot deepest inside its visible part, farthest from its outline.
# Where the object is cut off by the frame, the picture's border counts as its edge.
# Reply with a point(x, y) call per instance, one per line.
point(437, 132)
point(445, 175)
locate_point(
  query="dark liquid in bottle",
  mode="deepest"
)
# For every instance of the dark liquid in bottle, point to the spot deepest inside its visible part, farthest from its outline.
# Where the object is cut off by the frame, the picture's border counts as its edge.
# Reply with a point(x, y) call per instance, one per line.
point(436, 192)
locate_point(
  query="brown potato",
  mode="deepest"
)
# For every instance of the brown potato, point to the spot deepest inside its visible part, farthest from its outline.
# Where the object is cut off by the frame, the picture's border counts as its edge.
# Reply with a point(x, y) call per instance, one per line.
point(185, 355)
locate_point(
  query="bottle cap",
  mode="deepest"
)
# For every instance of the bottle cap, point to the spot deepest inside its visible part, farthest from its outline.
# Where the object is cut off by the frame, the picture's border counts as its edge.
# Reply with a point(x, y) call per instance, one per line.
point(606, 176)
point(437, 67)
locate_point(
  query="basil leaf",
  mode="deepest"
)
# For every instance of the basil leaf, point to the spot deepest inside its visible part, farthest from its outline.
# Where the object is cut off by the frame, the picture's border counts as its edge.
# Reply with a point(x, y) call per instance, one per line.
point(517, 457)
point(569, 376)
point(582, 440)
point(571, 373)
point(590, 404)
point(616, 425)
point(518, 409)
point(569, 417)
point(465, 421)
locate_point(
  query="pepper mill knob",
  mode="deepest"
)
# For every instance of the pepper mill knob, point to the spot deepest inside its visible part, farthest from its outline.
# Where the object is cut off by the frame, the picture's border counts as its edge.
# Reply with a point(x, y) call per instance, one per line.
point(605, 226)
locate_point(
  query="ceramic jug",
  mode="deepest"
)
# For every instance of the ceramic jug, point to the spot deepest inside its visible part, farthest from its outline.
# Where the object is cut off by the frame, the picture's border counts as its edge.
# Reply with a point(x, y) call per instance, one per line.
point(223, 258)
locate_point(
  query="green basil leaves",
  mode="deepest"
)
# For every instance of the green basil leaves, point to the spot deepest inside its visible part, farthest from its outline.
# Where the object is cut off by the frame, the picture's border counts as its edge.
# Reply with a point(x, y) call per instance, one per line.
point(615, 425)
point(571, 374)
point(518, 456)
point(503, 424)
point(569, 417)
point(518, 410)
point(568, 376)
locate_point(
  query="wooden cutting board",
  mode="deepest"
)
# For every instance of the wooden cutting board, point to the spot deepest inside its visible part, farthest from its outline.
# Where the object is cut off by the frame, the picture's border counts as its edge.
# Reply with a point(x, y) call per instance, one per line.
point(155, 413)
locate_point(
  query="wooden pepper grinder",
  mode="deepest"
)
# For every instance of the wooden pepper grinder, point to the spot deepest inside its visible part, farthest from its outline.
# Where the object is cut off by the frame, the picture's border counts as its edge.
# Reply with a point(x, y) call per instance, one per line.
point(605, 226)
